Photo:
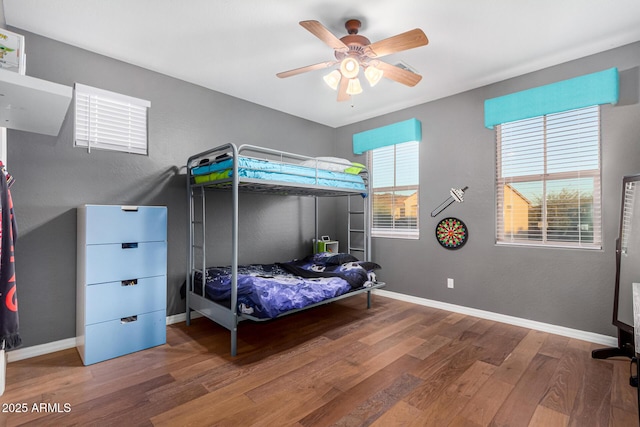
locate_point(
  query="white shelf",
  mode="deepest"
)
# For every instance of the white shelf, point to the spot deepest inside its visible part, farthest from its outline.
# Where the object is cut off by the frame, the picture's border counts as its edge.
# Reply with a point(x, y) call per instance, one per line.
point(31, 104)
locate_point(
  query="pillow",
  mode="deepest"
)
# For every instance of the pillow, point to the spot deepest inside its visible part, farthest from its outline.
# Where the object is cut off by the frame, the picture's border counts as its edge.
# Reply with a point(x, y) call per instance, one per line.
point(355, 169)
point(367, 265)
point(331, 258)
point(335, 164)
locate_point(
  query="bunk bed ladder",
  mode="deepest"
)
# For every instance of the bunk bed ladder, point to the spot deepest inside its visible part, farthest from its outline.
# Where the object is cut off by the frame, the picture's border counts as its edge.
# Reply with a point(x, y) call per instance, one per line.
point(197, 251)
point(358, 230)
point(358, 239)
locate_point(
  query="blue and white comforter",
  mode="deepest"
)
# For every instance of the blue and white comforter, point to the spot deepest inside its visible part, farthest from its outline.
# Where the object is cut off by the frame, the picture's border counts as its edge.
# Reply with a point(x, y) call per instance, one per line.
point(268, 290)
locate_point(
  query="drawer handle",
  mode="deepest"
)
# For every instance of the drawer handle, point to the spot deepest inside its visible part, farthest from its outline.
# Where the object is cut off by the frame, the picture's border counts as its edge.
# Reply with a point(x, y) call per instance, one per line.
point(130, 245)
point(129, 319)
point(131, 282)
point(129, 208)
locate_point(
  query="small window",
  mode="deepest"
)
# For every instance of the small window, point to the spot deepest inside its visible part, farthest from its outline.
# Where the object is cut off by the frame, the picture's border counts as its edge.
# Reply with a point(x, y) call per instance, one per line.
point(110, 121)
point(395, 185)
point(548, 180)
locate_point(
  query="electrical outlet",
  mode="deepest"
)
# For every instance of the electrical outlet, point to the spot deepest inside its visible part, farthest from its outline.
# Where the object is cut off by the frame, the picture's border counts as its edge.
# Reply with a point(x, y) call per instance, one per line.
point(450, 283)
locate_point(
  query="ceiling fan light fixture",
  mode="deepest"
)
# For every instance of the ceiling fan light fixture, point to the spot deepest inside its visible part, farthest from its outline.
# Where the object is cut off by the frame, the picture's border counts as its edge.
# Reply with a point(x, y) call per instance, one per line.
point(332, 79)
point(349, 67)
point(373, 75)
point(354, 51)
point(354, 87)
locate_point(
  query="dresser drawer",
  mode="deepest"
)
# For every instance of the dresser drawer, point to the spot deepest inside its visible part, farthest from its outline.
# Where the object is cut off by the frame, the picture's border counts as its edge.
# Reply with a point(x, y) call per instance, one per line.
point(114, 300)
point(115, 262)
point(107, 340)
point(119, 224)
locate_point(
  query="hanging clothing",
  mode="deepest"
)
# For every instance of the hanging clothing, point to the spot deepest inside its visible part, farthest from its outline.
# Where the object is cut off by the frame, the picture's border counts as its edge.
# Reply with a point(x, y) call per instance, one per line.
point(9, 336)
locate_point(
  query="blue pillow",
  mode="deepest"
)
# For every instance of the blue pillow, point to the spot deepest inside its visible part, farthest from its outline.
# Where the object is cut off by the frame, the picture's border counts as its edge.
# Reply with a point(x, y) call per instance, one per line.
point(331, 258)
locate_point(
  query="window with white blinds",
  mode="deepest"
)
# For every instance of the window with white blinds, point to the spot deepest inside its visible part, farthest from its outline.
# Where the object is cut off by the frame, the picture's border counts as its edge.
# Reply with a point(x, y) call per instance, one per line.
point(548, 180)
point(110, 121)
point(394, 186)
point(629, 203)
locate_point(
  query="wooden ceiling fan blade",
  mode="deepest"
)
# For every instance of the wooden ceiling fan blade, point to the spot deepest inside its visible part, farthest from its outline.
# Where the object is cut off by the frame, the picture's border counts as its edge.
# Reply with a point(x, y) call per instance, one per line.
point(301, 70)
point(398, 74)
point(342, 90)
point(405, 41)
point(321, 32)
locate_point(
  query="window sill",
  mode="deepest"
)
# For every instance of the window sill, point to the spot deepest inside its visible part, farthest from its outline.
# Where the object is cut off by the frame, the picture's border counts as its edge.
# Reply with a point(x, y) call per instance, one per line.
point(549, 246)
point(395, 234)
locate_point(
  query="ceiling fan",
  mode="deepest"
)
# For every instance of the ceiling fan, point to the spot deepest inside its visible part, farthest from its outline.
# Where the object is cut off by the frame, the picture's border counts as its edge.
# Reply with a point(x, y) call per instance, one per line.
point(354, 51)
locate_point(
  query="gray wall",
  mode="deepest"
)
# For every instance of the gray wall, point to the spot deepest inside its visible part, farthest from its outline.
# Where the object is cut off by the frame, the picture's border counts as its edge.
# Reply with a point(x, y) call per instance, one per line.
point(572, 288)
point(564, 287)
point(53, 178)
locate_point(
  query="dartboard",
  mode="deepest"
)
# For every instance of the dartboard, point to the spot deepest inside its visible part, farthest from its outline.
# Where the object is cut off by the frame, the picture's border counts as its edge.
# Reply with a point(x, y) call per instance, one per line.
point(452, 233)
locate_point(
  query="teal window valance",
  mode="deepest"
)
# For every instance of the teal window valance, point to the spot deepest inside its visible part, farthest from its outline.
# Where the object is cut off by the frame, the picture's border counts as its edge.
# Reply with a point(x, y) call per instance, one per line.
point(591, 89)
point(396, 133)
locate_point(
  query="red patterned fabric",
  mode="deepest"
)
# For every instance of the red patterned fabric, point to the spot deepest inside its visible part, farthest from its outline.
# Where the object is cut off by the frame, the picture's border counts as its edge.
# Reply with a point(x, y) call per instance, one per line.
point(9, 335)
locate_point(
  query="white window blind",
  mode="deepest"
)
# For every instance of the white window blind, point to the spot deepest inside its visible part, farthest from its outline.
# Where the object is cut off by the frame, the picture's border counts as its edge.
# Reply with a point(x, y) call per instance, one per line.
point(629, 203)
point(548, 180)
point(110, 121)
point(395, 188)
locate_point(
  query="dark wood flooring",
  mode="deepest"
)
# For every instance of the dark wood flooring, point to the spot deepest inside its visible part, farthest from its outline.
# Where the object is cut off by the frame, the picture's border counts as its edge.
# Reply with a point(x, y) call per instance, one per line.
point(397, 364)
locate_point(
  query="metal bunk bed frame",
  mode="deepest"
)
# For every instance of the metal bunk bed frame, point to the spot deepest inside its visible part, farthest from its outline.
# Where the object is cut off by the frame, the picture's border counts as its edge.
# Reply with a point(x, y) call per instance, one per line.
point(228, 317)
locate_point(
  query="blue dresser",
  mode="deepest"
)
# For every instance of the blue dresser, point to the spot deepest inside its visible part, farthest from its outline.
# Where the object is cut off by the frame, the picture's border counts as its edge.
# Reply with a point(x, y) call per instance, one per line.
point(121, 280)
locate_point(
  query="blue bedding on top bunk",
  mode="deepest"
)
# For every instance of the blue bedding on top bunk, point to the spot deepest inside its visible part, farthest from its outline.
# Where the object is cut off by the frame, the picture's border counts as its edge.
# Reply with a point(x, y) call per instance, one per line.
point(268, 290)
point(249, 167)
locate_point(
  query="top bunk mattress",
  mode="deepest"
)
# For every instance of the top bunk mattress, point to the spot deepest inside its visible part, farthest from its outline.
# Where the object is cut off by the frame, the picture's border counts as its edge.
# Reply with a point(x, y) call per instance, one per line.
point(256, 170)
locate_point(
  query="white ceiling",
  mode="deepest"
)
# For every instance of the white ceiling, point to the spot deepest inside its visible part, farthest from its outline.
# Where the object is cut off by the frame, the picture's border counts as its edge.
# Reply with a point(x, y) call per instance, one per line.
point(237, 46)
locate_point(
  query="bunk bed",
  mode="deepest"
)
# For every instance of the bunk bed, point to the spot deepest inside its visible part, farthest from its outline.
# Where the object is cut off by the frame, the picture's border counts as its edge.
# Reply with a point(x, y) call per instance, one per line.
point(227, 295)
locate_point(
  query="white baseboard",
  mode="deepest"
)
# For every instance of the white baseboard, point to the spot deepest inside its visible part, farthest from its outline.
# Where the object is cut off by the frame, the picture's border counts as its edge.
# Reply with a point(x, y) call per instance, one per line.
point(182, 317)
point(39, 350)
point(503, 318)
point(3, 371)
